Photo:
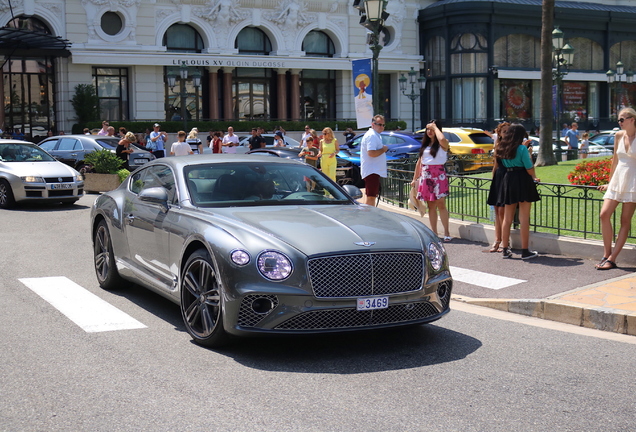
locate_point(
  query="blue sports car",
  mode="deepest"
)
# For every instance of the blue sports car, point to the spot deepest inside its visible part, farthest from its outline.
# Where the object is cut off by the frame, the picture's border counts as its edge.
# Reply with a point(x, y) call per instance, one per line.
point(400, 145)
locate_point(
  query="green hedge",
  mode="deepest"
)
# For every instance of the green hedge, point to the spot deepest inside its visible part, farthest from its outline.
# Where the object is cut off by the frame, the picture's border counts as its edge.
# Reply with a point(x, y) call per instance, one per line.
point(238, 125)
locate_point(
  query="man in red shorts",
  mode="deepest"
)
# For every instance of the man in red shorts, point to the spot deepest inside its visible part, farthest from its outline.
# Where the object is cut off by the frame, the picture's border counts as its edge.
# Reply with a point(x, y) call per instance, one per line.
point(373, 159)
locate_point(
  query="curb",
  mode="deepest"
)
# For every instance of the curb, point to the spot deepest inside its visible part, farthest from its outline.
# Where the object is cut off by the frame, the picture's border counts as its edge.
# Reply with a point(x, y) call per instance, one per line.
point(599, 318)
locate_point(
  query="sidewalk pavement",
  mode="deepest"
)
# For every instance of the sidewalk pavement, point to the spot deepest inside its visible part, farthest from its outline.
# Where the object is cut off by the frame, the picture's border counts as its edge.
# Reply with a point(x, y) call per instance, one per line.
point(608, 305)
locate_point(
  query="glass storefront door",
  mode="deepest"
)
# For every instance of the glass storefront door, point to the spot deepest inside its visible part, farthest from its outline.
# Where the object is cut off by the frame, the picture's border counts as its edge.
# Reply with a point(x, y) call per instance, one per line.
point(28, 96)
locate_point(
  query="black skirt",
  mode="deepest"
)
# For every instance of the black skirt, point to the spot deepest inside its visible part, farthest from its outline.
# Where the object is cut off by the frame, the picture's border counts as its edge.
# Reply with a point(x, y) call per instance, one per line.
point(497, 179)
point(515, 186)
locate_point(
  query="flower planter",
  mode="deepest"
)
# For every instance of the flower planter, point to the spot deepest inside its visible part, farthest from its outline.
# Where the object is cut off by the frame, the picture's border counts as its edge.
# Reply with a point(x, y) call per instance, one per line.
point(94, 182)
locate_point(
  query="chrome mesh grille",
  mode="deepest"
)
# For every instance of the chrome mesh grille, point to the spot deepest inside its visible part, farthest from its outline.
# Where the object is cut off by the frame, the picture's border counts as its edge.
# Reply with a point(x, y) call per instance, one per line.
point(366, 274)
point(351, 318)
point(247, 317)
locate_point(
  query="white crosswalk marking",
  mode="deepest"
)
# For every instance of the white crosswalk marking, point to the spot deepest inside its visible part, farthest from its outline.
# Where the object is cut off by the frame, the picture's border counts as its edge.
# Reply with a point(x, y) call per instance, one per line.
point(482, 279)
point(82, 307)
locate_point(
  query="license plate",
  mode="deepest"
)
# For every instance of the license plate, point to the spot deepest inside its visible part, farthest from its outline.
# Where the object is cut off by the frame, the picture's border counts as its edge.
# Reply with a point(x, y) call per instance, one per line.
point(370, 303)
point(141, 161)
point(62, 186)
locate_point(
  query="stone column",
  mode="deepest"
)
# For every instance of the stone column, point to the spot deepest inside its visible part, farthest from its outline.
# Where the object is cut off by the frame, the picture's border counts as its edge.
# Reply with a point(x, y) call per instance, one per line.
point(213, 93)
point(295, 94)
point(282, 94)
point(228, 106)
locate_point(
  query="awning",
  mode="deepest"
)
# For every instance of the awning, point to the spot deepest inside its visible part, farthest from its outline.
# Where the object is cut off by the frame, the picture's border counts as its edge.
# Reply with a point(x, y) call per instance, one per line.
point(27, 43)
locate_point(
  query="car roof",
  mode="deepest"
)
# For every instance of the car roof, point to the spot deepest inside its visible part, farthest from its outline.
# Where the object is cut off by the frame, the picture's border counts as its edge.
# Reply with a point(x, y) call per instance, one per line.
point(14, 141)
point(179, 162)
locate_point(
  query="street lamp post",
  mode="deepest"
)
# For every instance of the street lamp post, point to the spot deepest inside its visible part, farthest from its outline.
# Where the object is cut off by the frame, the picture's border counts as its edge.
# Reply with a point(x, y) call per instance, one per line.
point(421, 81)
point(183, 94)
point(562, 59)
point(373, 15)
point(615, 77)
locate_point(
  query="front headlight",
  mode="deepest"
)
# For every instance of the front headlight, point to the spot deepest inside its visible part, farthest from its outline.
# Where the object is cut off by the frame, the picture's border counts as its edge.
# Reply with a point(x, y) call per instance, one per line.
point(32, 179)
point(79, 178)
point(435, 255)
point(274, 265)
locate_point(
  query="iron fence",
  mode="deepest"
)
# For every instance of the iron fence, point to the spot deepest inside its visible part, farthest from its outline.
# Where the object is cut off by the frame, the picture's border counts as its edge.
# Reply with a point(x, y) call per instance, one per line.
point(563, 209)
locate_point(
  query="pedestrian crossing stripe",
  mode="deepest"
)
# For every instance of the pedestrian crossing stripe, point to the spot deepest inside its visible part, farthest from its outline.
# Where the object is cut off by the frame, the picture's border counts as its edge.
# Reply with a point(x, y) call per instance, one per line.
point(485, 280)
point(81, 306)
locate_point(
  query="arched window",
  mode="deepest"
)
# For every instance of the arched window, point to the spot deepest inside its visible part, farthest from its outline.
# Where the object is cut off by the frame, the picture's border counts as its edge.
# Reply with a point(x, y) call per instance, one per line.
point(625, 52)
point(588, 55)
point(252, 40)
point(182, 38)
point(518, 51)
point(469, 56)
point(28, 84)
point(318, 44)
point(29, 23)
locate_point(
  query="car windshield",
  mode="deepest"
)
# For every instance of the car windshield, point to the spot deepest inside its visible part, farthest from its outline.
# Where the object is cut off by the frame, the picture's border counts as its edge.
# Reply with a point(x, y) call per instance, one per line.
point(23, 153)
point(260, 184)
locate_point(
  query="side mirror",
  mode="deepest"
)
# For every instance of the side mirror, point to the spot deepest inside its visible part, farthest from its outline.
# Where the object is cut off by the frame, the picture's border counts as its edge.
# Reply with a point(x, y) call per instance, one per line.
point(155, 195)
point(352, 191)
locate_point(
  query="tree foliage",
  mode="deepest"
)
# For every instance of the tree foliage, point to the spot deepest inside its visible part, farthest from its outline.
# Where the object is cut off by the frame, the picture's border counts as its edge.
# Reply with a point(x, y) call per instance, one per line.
point(86, 104)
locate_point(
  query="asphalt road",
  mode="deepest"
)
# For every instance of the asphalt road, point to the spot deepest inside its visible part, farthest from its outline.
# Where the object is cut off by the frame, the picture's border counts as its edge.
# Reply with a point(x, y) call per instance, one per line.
point(474, 370)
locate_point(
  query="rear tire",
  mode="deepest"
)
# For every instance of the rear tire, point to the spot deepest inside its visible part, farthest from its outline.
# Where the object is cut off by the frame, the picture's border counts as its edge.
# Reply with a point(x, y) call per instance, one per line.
point(7, 201)
point(104, 258)
point(202, 300)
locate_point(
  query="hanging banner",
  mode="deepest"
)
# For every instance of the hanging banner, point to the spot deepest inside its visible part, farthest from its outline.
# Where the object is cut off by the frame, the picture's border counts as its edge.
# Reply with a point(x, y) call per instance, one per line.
point(363, 92)
point(575, 101)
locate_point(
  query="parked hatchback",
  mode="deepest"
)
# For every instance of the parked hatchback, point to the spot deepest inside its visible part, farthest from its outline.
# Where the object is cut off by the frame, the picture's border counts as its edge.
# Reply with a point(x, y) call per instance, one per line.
point(605, 139)
point(28, 173)
point(72, 149)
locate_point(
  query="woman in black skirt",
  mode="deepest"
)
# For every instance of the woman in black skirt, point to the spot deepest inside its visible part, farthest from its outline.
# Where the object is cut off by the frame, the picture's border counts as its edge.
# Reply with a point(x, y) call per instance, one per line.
point(498, 171)
point(516, 188)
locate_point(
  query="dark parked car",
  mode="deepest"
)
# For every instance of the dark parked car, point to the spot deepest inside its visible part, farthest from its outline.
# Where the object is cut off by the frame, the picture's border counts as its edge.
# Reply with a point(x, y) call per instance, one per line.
point(72, 149)
point(400, 145)
point(258, 245)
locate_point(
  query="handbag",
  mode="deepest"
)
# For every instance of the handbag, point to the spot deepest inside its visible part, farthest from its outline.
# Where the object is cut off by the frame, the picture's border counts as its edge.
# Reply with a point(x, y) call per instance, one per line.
point(416, 204)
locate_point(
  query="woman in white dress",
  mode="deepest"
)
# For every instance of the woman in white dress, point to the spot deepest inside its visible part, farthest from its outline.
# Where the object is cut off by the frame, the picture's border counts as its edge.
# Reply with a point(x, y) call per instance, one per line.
point(620, 189)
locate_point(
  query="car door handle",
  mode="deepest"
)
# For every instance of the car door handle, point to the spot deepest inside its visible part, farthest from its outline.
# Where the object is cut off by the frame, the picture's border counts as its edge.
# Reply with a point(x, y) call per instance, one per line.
point(130, 219)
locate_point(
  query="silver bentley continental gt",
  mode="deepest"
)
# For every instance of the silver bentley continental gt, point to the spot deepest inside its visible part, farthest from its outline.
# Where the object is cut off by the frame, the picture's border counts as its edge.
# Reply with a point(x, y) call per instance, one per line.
point(249, 244)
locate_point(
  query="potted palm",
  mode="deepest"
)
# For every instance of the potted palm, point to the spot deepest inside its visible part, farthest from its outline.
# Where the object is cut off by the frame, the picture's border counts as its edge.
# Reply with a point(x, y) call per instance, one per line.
point(103, 171)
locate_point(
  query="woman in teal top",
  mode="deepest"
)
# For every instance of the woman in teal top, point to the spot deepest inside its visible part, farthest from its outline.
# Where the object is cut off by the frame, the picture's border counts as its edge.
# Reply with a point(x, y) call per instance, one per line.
point(516, 188)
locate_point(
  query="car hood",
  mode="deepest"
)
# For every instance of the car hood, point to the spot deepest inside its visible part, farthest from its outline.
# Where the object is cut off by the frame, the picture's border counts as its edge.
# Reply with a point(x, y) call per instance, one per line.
point(316, 230)
point(39, 169)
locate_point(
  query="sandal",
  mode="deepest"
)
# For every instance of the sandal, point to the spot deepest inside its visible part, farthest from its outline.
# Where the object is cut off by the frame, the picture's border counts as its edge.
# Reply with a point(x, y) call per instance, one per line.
point(495, 247)
point(447, 239)
point(600, 263)
point(607, 265)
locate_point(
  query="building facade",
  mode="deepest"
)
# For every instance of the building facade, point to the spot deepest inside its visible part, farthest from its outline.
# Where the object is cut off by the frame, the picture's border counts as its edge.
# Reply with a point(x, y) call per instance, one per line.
point(483, 61)
point(268, 59)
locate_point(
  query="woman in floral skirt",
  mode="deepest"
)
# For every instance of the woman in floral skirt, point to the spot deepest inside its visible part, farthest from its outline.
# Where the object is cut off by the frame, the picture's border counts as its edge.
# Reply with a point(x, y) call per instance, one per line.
point(430, 176)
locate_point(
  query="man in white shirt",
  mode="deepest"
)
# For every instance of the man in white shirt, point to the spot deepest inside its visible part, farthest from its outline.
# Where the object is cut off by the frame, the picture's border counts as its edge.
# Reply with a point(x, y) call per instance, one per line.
point(230, 141)
point(373, 159)
point(303, 139)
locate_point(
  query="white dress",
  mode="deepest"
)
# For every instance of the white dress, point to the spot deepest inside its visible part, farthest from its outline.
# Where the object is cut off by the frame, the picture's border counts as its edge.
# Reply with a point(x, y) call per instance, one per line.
point(622, 186)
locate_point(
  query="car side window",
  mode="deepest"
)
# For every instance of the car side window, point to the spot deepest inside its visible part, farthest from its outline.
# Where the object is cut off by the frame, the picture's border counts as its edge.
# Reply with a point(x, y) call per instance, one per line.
point(155, 176)
point(452, 137)
point(69, 144)
point(49, 145)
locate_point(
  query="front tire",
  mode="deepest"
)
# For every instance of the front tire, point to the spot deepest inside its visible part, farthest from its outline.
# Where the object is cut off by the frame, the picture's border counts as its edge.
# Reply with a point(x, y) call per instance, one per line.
point(201, 300)
point(104, 258)
point(7, 200)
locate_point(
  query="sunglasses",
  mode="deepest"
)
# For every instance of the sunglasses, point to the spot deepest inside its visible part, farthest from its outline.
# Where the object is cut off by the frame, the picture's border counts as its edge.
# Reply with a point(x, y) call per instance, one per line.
point(379, 124)
point(621, 120)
